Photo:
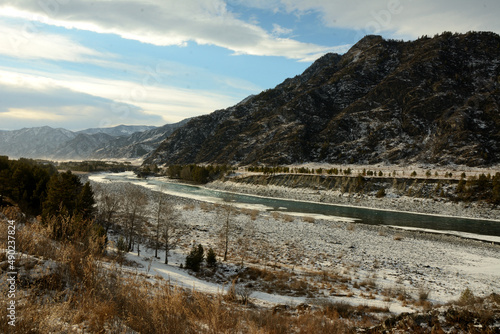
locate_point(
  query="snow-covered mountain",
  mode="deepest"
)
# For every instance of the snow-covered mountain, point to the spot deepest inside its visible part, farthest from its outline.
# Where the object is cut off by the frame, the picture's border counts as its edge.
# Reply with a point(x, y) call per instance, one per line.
point(433, 100)
point(138, 144)
point(120, 130)
point(39, 142)
point(100, 143)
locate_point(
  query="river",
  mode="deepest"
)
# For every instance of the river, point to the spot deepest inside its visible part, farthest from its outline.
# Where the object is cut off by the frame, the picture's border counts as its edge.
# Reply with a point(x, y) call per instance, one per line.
point(487, 230)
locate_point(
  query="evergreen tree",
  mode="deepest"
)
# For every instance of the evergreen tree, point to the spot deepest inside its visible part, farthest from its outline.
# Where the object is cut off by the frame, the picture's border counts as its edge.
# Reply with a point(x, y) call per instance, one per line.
point(195, 258)
point(496, 189)
point(461, 187)
point(85, 202)
point(211, 258)
point(63, 191)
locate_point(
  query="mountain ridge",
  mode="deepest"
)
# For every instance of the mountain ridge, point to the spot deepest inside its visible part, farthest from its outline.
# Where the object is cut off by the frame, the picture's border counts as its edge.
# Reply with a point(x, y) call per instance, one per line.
point(122, 141)
point(119, 130)
point(430, 101)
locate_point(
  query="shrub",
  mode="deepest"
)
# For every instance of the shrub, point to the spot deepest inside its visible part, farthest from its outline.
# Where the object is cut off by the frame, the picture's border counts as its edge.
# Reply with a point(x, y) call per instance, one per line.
point(308, 219)
point(121, 245)
point(381, 193)
point(423, 294)
point(467, 297)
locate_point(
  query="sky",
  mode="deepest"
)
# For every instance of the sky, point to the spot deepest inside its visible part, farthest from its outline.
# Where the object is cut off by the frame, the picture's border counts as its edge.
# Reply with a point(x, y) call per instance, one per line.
point(81, 64)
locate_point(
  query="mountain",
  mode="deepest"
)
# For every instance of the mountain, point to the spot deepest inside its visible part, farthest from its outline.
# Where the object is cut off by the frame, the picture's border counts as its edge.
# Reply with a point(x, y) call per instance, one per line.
point(39, 142)
point(120, 130)
point(138, 144)
point(81, 147)
point(433, 100)
point(100, 143)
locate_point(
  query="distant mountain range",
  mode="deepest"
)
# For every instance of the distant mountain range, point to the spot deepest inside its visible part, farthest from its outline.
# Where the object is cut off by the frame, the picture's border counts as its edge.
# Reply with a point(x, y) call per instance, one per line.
point(123, 141)
point(433, 100)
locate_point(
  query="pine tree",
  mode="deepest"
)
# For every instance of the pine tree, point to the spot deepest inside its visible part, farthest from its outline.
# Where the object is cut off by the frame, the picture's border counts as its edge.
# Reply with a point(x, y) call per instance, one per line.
point(211, 258)
point(63, 191)
point(195, 258)
point(85, 203)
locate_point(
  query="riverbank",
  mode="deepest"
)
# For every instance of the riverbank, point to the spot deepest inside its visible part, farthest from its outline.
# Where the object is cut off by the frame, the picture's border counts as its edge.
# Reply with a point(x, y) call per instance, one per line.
point(391, 201)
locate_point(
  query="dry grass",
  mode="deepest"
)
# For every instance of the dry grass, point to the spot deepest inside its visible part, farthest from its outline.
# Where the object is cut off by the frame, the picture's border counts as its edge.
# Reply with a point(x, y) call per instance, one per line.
point(368, 283)
point(276, 281)
point(310, 220)
point(250, 212)
point(188, 207)
point(206, 207)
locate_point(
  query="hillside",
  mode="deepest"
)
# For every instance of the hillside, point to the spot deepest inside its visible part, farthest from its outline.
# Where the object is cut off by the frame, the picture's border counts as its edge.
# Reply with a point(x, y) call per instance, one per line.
point(433, 100)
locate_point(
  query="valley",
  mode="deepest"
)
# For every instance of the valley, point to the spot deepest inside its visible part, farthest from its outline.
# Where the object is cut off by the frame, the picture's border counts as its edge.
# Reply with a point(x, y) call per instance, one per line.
point(360, 196)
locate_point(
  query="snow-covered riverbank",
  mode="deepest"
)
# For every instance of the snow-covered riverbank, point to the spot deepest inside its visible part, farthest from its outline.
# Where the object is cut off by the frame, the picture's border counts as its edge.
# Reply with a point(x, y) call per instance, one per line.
point(394, 261)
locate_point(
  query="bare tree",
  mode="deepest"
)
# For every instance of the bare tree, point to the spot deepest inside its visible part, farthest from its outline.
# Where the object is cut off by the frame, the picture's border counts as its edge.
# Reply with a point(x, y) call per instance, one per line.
point(135, 202)
point(295, 253)
point(224, 218)
point(245, 239)
point(263, 247)
point(167, 231)
point(108, 203)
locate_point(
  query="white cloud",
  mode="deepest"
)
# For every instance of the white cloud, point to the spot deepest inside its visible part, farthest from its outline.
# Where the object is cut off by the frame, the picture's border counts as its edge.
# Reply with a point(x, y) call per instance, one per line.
point(400, 18)
point(279, 30)
point(29, 99)
point(164, 23)
point(68, 100)
point(28, 42)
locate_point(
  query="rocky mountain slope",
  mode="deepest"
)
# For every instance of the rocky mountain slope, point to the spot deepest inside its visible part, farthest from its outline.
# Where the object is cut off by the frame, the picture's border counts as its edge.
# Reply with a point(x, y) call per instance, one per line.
point(100, 143)
point(433, 100)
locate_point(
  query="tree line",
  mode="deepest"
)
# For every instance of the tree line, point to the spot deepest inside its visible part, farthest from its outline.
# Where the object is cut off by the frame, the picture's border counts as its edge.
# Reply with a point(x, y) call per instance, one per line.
point(92, 166)
point(483, 187)
point(64, 204)
point(299, 170)
point(196, 173)
point(39, 189)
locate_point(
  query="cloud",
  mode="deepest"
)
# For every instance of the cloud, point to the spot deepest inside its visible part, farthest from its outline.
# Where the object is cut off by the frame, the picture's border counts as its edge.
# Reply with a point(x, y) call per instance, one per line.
point(162, 23)
point(398, 18)
point(71, 100)
point(36, 104)
point(29, 42)
point(279, 30)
